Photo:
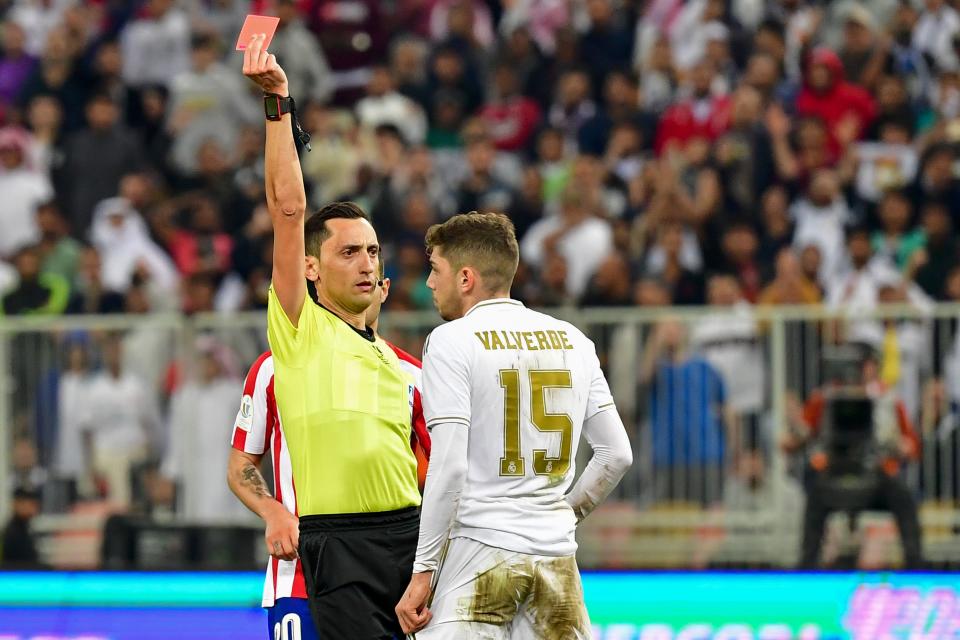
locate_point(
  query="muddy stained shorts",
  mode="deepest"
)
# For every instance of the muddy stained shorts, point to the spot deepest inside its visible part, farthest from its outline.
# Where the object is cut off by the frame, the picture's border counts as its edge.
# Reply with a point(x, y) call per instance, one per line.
point(485, 593)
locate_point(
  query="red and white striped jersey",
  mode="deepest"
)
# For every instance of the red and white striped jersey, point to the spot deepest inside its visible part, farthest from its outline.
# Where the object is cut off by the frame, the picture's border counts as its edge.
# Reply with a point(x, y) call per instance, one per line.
point(258, 429)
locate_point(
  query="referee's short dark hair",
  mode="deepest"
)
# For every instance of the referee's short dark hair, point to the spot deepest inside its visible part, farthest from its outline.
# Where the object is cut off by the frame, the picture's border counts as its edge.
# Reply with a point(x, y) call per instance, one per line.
point(315, 230)
point(485, 241)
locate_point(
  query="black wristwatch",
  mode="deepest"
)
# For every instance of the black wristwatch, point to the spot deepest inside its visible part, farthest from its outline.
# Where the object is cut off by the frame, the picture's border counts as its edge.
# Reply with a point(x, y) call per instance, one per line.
point(275, 106)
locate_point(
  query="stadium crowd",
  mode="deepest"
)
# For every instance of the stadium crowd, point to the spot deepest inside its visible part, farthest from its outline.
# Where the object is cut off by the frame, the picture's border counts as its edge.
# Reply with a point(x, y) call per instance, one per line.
point(649, 152)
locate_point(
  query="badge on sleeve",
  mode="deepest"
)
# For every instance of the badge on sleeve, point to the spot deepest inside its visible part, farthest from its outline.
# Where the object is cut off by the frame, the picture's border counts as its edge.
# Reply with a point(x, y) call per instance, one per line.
point(245, 419)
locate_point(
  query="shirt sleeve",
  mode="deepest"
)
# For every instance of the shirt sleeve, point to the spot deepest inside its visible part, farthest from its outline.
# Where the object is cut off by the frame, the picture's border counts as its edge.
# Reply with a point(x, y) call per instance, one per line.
point(446, 381)
point(254, 424)
point(600, 398)
point(290, 344)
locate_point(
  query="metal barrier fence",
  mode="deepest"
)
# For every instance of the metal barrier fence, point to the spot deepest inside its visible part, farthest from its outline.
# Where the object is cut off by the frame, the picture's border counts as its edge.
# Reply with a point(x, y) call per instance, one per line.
point(708, 395)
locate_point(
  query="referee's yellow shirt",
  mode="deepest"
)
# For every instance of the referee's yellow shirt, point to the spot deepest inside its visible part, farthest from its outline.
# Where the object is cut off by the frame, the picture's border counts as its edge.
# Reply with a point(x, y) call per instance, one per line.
point(344, 406)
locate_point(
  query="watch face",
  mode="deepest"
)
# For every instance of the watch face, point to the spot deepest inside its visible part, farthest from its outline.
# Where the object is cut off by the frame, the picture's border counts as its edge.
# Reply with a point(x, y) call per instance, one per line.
point(271, 105)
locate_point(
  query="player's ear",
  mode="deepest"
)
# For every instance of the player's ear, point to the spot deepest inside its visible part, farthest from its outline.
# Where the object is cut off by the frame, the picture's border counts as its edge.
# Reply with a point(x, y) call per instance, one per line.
point(384, 290)
point(467, 279)
point(312, 268)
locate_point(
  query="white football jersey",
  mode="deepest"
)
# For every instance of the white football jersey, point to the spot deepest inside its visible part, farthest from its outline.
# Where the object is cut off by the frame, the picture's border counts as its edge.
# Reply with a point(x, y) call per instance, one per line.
point(522, 383)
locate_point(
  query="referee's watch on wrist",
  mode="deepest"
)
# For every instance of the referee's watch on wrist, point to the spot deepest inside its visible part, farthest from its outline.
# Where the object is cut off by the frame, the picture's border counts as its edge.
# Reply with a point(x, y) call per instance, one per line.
point(276, 106)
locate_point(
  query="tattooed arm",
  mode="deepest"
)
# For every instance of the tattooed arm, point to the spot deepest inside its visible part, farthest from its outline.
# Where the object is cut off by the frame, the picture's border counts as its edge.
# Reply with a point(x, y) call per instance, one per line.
point(283, 529)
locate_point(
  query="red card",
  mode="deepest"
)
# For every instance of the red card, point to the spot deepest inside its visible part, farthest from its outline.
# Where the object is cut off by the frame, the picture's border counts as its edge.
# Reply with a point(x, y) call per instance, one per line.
point(254, 25)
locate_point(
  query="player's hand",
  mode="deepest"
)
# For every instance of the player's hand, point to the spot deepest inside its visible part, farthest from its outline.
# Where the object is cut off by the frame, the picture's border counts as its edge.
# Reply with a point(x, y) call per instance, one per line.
point(283, 533)
point(412, 609)
point(262, 67)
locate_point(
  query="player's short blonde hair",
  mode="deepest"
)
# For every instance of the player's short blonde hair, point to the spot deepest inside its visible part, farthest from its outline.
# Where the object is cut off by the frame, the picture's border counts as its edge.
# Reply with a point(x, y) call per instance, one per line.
point(486, 242)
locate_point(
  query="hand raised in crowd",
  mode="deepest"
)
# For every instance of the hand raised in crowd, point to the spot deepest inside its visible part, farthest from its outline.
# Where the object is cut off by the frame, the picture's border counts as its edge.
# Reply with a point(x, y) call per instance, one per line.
point(262, 67)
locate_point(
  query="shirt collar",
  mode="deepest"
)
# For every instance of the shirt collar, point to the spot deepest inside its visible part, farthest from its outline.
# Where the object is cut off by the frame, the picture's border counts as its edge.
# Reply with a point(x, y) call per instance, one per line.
point(493, 302)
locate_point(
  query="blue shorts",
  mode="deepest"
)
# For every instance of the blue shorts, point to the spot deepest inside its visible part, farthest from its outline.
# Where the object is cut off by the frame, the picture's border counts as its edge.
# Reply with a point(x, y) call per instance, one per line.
point(289, 619)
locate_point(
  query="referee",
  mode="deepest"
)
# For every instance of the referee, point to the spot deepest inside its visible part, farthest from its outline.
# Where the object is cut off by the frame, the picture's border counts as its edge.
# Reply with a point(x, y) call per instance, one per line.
point(340, 391)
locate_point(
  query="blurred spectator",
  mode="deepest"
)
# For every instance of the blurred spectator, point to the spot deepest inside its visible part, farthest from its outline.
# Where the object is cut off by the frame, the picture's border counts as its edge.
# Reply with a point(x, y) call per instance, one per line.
point(689, 418)
point(69, 459)
point(539, 19)
point(120, 236)
point(820, 218)
point(36, 292)
point(19, 550)
point(201, 417)
point(58, 75)
point(37, 18)
point(353, 38)
point(118, 423)
point(408, 67)
point(202, 246)
point(208, 101)
point(225, 17)
point(729, 340)
point(566, 234)
point(467, 20)
point(621, 112)
point(702, 115)
point(935, 30)
point(384, 105)
point(676, 261)
point(897, 240)
point(905, 58)
point(610, 285)
point(482, 189)
point(846, 109)
point(16, 64)
point(744, 154)
point(572, 106)
point(28, 475)
point(511, 117)
point(153, 127)
point(95, 160)
point(60, 253)
point(860, 53)
point(45, 121)
point(776, 225)
point(90, 295)
point(789, 285)
point(156, 44)
point(888, 164)
point(658, 79)
point(608, 42)
point(938, 180)
point(940, 254)
point(299, 53)
point(907, 347)
point(739, 245)
point(24, 188)
point(106, 74)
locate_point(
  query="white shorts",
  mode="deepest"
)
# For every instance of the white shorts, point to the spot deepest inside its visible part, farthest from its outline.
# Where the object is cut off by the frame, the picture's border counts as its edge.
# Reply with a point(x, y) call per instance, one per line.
point(485, 593)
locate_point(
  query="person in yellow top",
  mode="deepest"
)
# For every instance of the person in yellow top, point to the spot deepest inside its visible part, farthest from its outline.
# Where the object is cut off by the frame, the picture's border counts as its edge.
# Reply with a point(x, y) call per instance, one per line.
point(341, 394)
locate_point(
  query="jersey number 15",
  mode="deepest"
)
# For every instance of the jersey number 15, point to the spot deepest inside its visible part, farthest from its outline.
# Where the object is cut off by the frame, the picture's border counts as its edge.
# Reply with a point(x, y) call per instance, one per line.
point(512, 463)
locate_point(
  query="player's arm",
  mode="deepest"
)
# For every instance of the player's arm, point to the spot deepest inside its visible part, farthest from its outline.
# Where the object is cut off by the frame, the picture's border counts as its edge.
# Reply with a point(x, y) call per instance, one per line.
point(247, 483)
point(286, 196)
point(607, 437)
point(446, 407)
point(252, 433)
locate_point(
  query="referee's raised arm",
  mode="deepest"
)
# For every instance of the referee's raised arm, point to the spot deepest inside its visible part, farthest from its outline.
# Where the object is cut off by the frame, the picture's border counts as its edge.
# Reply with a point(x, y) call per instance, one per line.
point(286, 196)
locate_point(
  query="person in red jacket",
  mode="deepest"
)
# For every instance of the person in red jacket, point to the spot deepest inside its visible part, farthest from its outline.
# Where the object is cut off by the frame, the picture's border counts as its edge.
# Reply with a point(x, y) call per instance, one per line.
point(702, 115)
point(847, 110)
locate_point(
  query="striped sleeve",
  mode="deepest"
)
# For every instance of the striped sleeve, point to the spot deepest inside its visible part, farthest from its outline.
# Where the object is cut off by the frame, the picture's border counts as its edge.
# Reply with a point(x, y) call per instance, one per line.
point(446, 380)
point(251, 430)
point(415, 368)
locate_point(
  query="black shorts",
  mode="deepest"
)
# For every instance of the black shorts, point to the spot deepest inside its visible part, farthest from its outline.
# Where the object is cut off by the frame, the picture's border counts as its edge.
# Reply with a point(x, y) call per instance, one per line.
point(356, 567)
